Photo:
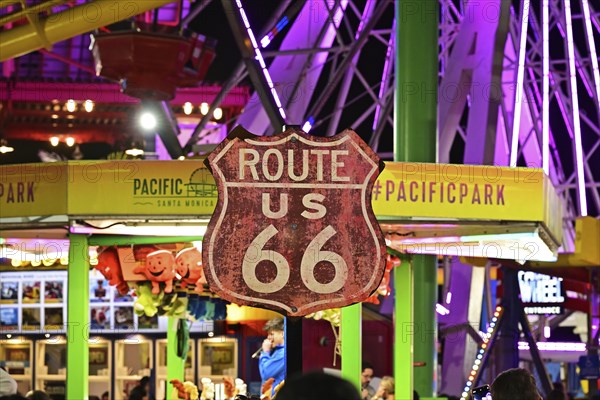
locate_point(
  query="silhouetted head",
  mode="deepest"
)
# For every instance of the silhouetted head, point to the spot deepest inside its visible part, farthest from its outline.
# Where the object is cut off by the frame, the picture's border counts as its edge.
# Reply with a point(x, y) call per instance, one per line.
point(515, 384)
point(317, 385)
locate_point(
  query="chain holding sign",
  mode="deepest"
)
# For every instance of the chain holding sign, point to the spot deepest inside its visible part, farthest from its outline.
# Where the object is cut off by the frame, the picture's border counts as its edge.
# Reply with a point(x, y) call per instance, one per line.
point(294, 229)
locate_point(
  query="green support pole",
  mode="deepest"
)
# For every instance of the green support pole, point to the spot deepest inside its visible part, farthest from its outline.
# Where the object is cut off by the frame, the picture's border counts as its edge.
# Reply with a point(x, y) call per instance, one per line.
point(403, 331)
point(175, 365)
point(351, 343)
point(78, 318)
point(415, 140)
point(425, 276)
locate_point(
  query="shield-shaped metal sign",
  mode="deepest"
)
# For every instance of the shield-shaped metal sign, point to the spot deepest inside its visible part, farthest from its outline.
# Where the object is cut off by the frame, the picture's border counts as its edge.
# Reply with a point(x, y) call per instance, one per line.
point(293, 229)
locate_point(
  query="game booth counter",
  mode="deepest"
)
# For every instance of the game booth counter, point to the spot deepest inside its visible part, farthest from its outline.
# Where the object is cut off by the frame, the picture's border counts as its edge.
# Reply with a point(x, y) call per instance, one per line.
point(130, 217)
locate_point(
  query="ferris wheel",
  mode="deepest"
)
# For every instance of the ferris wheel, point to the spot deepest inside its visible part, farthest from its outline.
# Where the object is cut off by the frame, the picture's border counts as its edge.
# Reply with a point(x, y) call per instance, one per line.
point(518, 82)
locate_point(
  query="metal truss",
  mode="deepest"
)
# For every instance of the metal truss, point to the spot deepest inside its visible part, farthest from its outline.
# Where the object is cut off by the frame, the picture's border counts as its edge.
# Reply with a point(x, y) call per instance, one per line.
point(545, 113)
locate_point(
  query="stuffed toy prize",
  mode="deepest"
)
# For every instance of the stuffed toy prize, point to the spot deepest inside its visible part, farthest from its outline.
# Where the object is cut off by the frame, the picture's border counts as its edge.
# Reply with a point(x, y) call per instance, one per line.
point(188, 266)
point(110, 267)
point(208, 389)
point(159, 267)
point(185, 390)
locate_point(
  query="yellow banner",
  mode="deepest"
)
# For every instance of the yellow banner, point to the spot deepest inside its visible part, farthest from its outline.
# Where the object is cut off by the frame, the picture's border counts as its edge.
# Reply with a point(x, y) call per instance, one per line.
point(153, 188)
point(406, 190)
point(33, 190)
point(141, 188)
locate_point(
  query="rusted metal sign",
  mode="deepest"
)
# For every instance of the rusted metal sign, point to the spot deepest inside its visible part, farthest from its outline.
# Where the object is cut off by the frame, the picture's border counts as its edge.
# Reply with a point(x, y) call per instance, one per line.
point(293, 229)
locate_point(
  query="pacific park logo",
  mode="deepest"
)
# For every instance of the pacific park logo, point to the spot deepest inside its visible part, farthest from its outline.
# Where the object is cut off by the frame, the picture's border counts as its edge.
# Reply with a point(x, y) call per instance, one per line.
point(17, 192)
point(199, 190)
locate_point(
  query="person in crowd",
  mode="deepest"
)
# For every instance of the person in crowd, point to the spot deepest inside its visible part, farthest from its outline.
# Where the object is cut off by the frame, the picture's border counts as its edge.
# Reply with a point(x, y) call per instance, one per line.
point(271, 363)
point(13, 397)
point(317, 385)
point(385, 390)
point(37, 395)
point(515, 384)
point(105, 396)
point(8, 386)
point(139, 394)
point(366, 375)
point(556, 394)
point(141, 391)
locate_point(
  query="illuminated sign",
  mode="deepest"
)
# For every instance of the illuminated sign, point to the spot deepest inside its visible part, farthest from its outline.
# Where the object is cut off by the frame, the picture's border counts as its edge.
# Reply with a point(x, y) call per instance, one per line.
point(541, 294)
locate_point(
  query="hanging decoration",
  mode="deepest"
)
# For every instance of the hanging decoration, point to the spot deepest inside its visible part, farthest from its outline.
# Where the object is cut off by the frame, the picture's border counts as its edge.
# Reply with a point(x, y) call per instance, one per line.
point(159, 267)
point(167, 280)
point(384, 286)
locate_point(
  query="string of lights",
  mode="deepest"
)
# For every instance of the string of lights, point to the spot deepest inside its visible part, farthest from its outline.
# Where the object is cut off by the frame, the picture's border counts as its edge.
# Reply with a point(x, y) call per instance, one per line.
point(482, 352)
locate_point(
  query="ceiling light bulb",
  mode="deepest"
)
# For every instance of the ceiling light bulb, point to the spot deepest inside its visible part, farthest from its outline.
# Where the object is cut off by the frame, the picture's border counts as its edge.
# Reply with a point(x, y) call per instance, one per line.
point(218, 114)
point(188, 108)
point(88, 105)
point(71, 105)
point(70, 141)
point(204, 108)
point(134, 152)
point(6, 149)
point(148, 121)
point(54, 141)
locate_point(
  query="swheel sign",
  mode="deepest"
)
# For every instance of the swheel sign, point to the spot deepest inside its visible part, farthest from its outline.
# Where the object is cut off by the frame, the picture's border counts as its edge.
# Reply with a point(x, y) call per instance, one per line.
point(293, 229)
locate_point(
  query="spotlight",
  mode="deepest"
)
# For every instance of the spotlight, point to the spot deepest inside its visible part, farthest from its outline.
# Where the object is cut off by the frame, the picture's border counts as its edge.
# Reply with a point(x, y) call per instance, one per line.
point(181, 158)
point(218, 114)
point(8, 336)
point(71, 105)
point(54, 141)
point(211, 334)
point(88, 105)
point(148, 121)
point(70, 141)
point(204, 108)
point(188, 108)
point(5, 148)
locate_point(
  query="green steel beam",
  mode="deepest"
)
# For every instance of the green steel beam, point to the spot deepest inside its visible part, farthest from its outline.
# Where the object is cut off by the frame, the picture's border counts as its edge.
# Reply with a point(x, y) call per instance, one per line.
point(78, 318)
point(175, 364)
point(425, 278)
point(351, 333)
point(115, 240)
point(403, 332)
point(415, 140)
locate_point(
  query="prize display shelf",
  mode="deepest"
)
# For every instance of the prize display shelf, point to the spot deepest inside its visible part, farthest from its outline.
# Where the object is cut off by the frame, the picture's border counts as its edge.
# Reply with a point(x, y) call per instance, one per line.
point(133, 361)
point(17, 357)
point(161, 371)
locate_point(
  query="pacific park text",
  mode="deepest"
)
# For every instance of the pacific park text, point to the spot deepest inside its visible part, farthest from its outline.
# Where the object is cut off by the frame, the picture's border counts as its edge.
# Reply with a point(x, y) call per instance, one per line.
point(439, 192)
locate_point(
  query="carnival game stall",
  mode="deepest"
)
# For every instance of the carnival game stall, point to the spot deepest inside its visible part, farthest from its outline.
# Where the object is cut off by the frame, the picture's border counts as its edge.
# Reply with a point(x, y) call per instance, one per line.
point(130, 237)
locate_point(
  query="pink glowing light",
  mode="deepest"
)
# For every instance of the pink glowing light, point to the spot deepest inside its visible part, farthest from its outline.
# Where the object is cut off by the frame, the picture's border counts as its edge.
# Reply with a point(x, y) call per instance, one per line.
point(519, 93)
point(448, 297)
point(576, 122)
point(592, 45)
point(440, 309)
point(259, 57)
point(545, 89)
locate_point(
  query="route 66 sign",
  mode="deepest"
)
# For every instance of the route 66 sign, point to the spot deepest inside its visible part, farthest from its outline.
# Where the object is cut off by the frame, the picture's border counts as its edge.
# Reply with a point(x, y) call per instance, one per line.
point(293, 229)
